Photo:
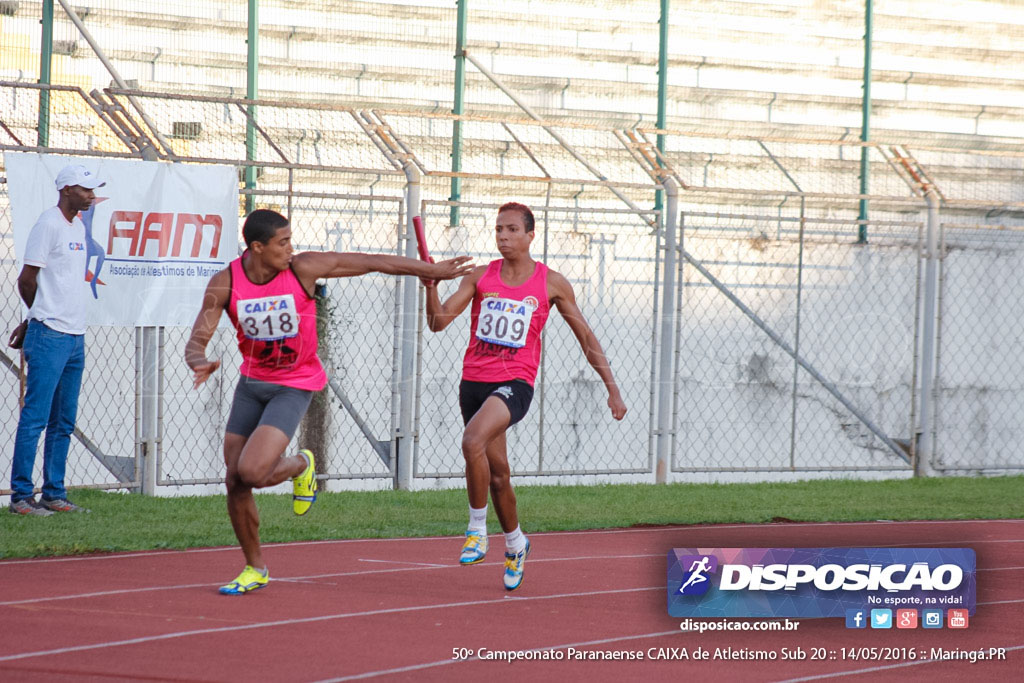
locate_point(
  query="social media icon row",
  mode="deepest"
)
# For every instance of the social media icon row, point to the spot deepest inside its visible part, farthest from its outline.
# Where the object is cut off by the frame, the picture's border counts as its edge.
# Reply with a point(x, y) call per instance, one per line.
point(905, 618)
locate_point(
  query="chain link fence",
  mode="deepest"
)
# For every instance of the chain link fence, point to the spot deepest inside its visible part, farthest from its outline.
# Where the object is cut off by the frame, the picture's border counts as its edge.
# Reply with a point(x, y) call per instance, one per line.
point(848, 310)
point(795, 348)
point(355, 413)
point(103, 447)
point(771, 222)
point(980, 373)
point(609, 257)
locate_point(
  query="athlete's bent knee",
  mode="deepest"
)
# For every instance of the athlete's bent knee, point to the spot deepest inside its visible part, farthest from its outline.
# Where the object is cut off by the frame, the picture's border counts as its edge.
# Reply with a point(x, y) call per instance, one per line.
point(251, 476)
point(473, 446)
point(234, 484)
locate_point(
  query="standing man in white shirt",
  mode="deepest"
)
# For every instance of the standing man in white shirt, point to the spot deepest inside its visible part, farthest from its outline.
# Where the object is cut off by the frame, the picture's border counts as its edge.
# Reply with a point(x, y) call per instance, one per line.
point(53, 285)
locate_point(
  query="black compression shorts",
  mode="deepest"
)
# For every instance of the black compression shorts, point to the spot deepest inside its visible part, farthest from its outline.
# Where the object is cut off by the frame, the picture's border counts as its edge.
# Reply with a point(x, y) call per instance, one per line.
point(264, 403)
point(516, 394)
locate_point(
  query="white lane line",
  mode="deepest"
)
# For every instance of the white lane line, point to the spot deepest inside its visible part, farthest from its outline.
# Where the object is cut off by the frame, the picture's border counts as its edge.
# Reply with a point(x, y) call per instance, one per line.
point(310, 620)
point(999, 569)
point(313, 578)
point(310, 577)
point(443, 662)
point(296, 579)
point(165, 553)
point(415, 564)
point(97, 594)
point(397, 610)
point(1001, 602)
point(583, 532)
point(855, 672)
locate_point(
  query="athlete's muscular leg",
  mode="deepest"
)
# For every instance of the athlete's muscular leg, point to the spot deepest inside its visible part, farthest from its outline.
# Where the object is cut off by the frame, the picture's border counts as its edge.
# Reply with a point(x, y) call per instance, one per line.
point(255, 462)
point(489, 423)
point(501, 485)
point(261, 464)
point(245, 518)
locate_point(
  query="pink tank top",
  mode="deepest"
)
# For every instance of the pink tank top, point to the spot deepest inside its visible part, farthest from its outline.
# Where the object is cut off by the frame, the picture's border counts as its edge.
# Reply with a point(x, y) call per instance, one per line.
point(504, 333)
point(276, 325)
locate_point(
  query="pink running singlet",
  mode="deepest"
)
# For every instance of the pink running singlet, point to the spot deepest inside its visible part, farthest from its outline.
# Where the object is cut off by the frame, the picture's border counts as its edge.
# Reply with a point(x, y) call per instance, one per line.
point(276, 325)
point(504, 333)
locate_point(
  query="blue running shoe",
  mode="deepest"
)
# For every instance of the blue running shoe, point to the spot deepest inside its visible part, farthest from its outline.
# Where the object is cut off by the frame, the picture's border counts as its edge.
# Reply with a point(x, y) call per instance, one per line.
point(515, 563)
point(475, 548)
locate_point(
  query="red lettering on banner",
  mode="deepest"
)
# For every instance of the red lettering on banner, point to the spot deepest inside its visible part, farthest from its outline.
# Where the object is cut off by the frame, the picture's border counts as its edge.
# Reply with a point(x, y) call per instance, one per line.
point(161, 235)
point(200, 222)
point(166, 229)
point(133, 217)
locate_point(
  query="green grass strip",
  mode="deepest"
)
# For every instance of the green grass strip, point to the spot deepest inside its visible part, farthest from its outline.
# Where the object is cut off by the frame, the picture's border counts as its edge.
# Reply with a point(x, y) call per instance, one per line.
point(120, 522)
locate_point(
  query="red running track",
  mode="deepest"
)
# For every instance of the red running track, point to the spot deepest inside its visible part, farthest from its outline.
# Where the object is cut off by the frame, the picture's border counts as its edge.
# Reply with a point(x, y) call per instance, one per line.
point(396, 609)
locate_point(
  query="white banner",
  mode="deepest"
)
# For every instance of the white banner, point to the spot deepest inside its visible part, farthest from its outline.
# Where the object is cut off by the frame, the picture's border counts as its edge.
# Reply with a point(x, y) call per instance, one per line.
point(155, 235)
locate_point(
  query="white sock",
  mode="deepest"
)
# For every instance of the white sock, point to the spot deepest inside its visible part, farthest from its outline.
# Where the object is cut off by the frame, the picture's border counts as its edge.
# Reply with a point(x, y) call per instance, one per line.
point(478, 519)
point(515, 541)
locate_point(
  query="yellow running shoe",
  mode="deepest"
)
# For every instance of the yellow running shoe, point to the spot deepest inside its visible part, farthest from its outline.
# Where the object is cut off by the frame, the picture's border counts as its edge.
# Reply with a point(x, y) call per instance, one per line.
point(248, 581)
point(304, 486)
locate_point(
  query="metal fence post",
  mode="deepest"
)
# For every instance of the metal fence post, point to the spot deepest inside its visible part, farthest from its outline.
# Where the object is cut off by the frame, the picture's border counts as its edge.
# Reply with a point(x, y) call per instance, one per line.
point(45, 65)
point(668, 308)
point(462, 14)
point(929, 311)
point(865, 126)
point(251, 93)
point(147, 405)
point(408, 330)
point(662, 88)
point(156, 476)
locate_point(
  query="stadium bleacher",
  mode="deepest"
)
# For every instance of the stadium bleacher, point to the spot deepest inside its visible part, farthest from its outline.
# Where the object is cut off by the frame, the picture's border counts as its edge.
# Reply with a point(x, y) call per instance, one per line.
point(762, 67)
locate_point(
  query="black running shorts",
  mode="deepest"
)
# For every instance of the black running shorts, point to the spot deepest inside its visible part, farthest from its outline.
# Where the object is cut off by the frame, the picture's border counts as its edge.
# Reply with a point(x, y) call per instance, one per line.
point(516, 394)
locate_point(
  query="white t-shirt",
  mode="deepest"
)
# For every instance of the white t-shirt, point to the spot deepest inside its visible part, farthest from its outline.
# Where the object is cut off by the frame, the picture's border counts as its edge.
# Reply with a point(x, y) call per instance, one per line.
point(58, 248)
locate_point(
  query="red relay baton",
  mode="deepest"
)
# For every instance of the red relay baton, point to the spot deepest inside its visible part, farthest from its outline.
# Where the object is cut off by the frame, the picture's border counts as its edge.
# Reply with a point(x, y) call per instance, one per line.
point(421, 239)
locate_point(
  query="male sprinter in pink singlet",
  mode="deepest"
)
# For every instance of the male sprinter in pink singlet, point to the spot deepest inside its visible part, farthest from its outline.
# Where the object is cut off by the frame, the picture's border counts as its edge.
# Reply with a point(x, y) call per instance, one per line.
point(511, 299)
point(267, 294)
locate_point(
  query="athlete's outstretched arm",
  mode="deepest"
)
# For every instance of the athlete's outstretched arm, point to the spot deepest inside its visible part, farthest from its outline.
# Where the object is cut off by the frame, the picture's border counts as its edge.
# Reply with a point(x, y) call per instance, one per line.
point(440, 315)
point(565, 300)
point(312, 265)
point(218, 293)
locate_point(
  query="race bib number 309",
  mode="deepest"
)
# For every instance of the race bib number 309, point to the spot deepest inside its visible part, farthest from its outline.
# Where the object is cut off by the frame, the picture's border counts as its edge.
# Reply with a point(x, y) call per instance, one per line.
point(268, 318)
point(504, 322)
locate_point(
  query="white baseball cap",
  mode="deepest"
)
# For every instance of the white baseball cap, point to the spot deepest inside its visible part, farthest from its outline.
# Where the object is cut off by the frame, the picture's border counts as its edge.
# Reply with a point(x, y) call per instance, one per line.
point(76, 174)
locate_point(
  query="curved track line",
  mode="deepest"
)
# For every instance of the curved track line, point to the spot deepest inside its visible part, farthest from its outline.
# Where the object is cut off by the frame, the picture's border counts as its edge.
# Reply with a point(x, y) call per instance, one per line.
point(321, 618)
point(333, 575)
point(309, 577)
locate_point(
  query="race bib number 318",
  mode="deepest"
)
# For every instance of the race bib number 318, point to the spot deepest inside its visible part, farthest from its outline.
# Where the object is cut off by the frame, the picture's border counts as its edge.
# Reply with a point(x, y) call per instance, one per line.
point(268, 318)
point(504, 322)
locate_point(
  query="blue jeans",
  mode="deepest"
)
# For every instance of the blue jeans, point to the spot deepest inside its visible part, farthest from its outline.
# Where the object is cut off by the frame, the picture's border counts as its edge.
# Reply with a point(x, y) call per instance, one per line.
point(55, 364)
